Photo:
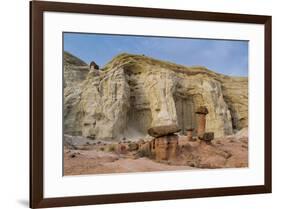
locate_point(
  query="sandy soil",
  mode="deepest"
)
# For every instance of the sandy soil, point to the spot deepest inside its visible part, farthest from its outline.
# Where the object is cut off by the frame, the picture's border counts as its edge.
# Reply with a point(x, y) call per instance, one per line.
point(83, 156)
point(77, 162)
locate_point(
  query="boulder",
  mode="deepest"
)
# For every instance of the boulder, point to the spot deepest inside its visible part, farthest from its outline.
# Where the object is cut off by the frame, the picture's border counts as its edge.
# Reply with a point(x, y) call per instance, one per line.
point(145, 150)
point(158, 131)
point(122, 148)
point(208, 136)
point(133, 146)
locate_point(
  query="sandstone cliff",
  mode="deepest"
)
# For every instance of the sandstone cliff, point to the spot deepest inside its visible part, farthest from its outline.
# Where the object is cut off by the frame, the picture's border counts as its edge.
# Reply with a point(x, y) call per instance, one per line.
point(75, 72)
point(133, 93)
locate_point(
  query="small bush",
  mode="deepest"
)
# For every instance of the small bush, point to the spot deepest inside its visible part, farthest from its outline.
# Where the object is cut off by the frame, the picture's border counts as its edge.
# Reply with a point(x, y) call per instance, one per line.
point(111, 148)
point(144, 153)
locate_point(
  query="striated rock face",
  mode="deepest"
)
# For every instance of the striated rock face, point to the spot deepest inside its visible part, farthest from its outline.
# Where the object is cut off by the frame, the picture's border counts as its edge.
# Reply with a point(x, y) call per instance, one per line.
point(133, 94)
point(104, 105)
point(235, 92)
point(75, 72)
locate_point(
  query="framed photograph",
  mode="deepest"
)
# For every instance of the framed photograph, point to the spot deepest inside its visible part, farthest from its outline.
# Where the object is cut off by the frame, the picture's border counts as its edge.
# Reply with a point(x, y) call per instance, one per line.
point(138, 104)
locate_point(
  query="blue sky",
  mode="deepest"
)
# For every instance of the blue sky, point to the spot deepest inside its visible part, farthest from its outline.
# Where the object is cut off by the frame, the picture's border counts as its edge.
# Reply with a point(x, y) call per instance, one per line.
point(222, 56)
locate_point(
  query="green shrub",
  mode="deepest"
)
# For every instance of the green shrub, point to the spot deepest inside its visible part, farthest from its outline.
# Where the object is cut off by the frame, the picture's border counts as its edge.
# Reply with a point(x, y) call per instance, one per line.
point(111, 148)
point(144, 153)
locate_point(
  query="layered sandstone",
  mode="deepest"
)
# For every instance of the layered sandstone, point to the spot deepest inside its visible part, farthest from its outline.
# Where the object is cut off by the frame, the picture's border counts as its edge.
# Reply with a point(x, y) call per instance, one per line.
point(75, 72)
point(133, 94)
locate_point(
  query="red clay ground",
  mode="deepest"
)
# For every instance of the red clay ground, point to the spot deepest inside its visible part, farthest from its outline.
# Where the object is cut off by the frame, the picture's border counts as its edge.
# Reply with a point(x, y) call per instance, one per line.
point(100, 158)
point(98, 162)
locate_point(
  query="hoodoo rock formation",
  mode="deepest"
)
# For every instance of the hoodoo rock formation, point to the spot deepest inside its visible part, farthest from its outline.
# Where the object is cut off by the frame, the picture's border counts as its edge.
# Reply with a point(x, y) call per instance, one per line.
point(135, 95)
point(201, 113)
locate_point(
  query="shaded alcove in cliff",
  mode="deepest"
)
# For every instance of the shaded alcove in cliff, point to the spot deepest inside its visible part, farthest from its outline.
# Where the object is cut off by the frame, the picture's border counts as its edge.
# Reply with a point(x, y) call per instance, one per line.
point(185, 116)
point(185, 108)
point(139, 115)
point(237, 123)
point(138, 120)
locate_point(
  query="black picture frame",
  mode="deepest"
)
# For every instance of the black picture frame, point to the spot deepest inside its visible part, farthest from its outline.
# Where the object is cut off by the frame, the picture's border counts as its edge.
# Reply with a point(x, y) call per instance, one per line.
point(37, 8)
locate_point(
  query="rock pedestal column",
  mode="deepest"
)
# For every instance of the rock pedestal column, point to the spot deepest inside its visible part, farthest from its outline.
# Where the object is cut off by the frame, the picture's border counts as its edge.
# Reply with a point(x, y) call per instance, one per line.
point(166, 147)
point(201, 113)
point(189, 134)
